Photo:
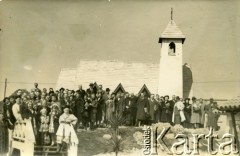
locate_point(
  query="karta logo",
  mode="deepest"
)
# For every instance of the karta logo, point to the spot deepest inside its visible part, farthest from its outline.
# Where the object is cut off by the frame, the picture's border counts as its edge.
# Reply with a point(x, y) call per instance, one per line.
point(153, 140)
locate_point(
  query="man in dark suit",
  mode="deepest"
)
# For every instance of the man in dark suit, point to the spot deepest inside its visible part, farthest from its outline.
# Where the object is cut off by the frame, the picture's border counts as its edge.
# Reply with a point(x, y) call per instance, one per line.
point(133, 108)
point(79, 101)
point(120, 103)
point(81, 92)
point(91, 89)
point(7, 111)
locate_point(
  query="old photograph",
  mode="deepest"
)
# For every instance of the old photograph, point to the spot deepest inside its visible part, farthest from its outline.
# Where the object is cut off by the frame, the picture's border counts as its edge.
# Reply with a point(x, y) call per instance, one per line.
point(119, 77)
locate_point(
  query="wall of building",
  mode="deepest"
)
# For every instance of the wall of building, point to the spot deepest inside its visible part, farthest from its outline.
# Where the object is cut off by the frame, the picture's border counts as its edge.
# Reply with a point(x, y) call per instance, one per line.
point(110, 73)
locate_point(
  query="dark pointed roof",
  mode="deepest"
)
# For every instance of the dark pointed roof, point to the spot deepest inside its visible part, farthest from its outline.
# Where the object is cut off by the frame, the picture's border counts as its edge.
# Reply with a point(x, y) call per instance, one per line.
point(144, 88)
point(232, 105)
point(119, 88)
point(172, 31)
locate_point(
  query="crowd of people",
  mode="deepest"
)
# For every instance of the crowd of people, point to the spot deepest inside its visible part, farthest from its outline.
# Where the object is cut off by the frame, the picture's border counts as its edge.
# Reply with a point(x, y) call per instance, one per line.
point(51, 111)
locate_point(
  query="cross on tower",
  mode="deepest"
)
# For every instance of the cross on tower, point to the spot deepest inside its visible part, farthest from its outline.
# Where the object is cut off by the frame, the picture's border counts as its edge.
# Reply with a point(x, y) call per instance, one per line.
point(171, 13)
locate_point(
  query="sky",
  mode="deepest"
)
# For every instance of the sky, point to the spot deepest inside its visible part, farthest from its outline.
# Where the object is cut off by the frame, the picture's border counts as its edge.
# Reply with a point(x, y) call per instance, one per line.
point(38, 38)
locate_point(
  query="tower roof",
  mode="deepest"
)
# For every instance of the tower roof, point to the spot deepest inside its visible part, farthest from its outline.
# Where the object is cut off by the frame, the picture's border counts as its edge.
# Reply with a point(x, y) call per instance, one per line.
point(172, 31)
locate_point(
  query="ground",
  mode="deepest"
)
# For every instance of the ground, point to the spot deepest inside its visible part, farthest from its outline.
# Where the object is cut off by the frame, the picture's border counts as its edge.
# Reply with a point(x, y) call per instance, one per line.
point(93, 143)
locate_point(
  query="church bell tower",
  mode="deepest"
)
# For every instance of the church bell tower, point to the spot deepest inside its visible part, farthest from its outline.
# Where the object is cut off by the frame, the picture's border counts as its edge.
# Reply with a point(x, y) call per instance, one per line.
point(171, 72)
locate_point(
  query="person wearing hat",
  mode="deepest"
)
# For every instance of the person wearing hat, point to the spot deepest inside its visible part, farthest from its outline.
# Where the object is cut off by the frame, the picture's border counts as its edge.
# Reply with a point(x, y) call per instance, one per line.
point(195, 113)
point(142, 110)
point(187, 112)
point(100, 89)
point(91, 89)
point(81, 92)
point(50, 92)
point(166, 114)
point(36, 89)
point(178, 115)
point(209, 114)
point(66, 133)
point(61, 93)
point(105, 97)
point(101, 107)
point(153, 106)
point(79, 106)
point(61, 89)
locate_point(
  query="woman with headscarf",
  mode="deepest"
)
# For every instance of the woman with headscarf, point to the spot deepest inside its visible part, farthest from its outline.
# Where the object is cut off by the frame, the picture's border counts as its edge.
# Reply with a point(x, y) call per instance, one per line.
point(66, 133)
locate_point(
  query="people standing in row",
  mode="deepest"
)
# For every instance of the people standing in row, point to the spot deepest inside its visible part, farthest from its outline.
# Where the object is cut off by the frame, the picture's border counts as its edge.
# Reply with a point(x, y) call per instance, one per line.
point(96, 107)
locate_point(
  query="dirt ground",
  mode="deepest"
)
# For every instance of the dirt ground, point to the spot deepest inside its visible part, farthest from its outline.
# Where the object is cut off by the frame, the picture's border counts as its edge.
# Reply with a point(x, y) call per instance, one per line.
point(93, 143)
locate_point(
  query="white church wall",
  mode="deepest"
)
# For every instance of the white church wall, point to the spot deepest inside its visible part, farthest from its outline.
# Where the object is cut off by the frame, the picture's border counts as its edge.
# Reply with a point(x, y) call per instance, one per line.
point(110, 73)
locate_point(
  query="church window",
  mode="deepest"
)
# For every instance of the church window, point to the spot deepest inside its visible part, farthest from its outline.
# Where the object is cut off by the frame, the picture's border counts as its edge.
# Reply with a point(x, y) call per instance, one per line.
point(172, 49)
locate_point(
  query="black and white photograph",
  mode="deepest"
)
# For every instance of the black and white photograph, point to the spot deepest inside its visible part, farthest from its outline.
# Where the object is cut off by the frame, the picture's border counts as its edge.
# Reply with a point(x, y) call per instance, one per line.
point(119, 77)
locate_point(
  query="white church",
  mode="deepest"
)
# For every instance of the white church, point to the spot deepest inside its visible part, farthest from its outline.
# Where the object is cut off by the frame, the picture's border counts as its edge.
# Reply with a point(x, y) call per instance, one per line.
point(169, 77)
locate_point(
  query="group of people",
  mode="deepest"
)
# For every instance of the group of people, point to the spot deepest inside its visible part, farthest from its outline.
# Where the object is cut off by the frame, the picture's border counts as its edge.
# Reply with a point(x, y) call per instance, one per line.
point(51, 111)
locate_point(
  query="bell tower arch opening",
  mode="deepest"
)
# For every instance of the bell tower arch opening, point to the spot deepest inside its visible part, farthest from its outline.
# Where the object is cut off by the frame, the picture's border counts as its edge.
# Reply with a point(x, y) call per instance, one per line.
point(172, 49)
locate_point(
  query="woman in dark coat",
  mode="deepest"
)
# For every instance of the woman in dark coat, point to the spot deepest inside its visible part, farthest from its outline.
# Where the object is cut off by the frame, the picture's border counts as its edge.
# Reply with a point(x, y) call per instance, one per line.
point(79, 109)
point(187, 112)
point(100, 108)
point(166, 114)
point(142, 110)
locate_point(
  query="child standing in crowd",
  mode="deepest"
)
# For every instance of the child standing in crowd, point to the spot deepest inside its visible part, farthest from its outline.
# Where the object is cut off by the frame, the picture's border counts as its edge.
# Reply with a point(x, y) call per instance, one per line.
point(53, 125)
point(44, 127)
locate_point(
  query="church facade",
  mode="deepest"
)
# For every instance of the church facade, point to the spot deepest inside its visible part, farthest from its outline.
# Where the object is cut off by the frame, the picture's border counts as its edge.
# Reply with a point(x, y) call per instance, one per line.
point(169, 77)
